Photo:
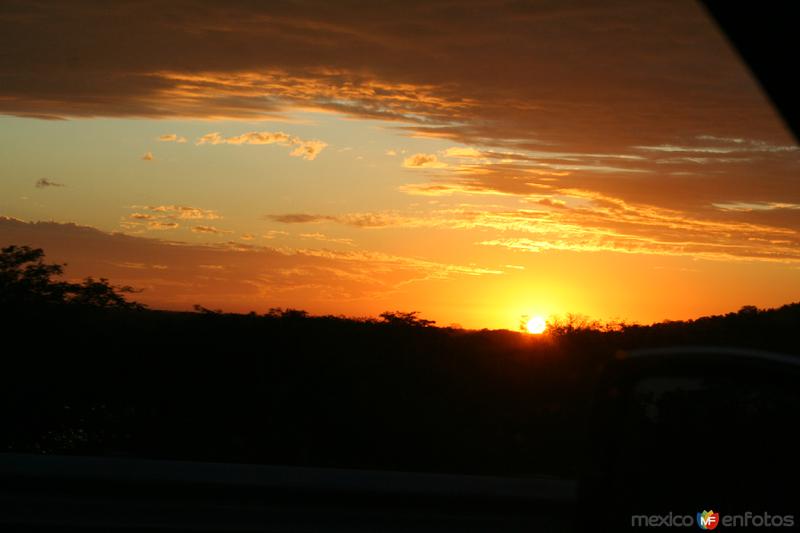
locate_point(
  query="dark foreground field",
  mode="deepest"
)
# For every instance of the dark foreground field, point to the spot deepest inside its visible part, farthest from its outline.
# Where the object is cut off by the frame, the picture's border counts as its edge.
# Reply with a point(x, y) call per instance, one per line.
point(286, 388)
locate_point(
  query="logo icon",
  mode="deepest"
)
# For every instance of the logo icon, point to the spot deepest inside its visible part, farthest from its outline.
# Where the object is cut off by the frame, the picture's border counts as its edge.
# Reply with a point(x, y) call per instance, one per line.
point(707, 519)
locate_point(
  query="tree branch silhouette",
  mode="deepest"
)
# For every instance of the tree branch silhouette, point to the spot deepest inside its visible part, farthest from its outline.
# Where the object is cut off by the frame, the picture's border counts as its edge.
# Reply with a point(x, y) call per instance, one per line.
point(25, 278)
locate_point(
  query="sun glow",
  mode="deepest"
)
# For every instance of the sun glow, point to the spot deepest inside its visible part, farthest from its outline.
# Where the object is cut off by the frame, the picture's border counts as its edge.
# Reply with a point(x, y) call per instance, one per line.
point(536, 325)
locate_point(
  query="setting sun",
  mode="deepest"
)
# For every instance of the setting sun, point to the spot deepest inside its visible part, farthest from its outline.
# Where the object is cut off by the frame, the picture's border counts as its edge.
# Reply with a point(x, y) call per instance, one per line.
point(536, 325)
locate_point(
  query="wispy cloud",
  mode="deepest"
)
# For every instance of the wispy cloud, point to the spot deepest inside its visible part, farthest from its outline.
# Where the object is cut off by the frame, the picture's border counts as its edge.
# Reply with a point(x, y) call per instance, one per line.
point(608, 224)
point(210, 229)
point(361, 220)
point(307, 149)
point(274, 234)
point(164, 217)
point(586, 221)
point(162, 225)
point(461, 151)
point(327, 238)
point(448, 188)
point(748, 207)
point(722, 146)
point(172, 137)
point(299, 218)
point(180, 212)
point(423, 161)
point(44, 183)
point(142, 216)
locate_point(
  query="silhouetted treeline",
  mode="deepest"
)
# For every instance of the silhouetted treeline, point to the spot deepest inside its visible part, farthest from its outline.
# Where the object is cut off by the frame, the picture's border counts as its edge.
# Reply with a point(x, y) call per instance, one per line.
point(289, 388)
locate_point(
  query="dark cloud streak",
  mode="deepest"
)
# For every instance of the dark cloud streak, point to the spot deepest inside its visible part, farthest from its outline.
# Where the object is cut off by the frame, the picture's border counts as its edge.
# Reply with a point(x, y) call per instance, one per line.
point(44, 183)
point(299, 218)
point(617, 72)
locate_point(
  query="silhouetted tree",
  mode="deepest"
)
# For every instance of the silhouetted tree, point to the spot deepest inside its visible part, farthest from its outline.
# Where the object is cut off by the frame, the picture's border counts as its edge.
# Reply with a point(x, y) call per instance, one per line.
point(206, 311)
point(100, 293)
point(288, 314)
point(748, 310)
point(401, 318)
point(573, 323)
point(26, 279)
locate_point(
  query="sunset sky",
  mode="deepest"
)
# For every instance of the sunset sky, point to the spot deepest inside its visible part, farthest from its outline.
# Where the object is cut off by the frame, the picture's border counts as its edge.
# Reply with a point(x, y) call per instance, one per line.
point(472, 160)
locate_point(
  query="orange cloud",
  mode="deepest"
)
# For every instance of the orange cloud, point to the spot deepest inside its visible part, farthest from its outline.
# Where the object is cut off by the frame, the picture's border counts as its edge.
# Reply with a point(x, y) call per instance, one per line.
point(209, 229)
point(177, 212)
point(164, 217)
point(172, 137)
point(423, 161)
point(448, 188)
point(327, 238)
point(361, 220)
point(299, 218)
point(308, 150)
point(584, 221)
point(161, 225)
point(458, 151)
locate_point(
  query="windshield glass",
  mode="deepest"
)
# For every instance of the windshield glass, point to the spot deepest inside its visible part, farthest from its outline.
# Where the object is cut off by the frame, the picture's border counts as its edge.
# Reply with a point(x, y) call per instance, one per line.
point(400, 235)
